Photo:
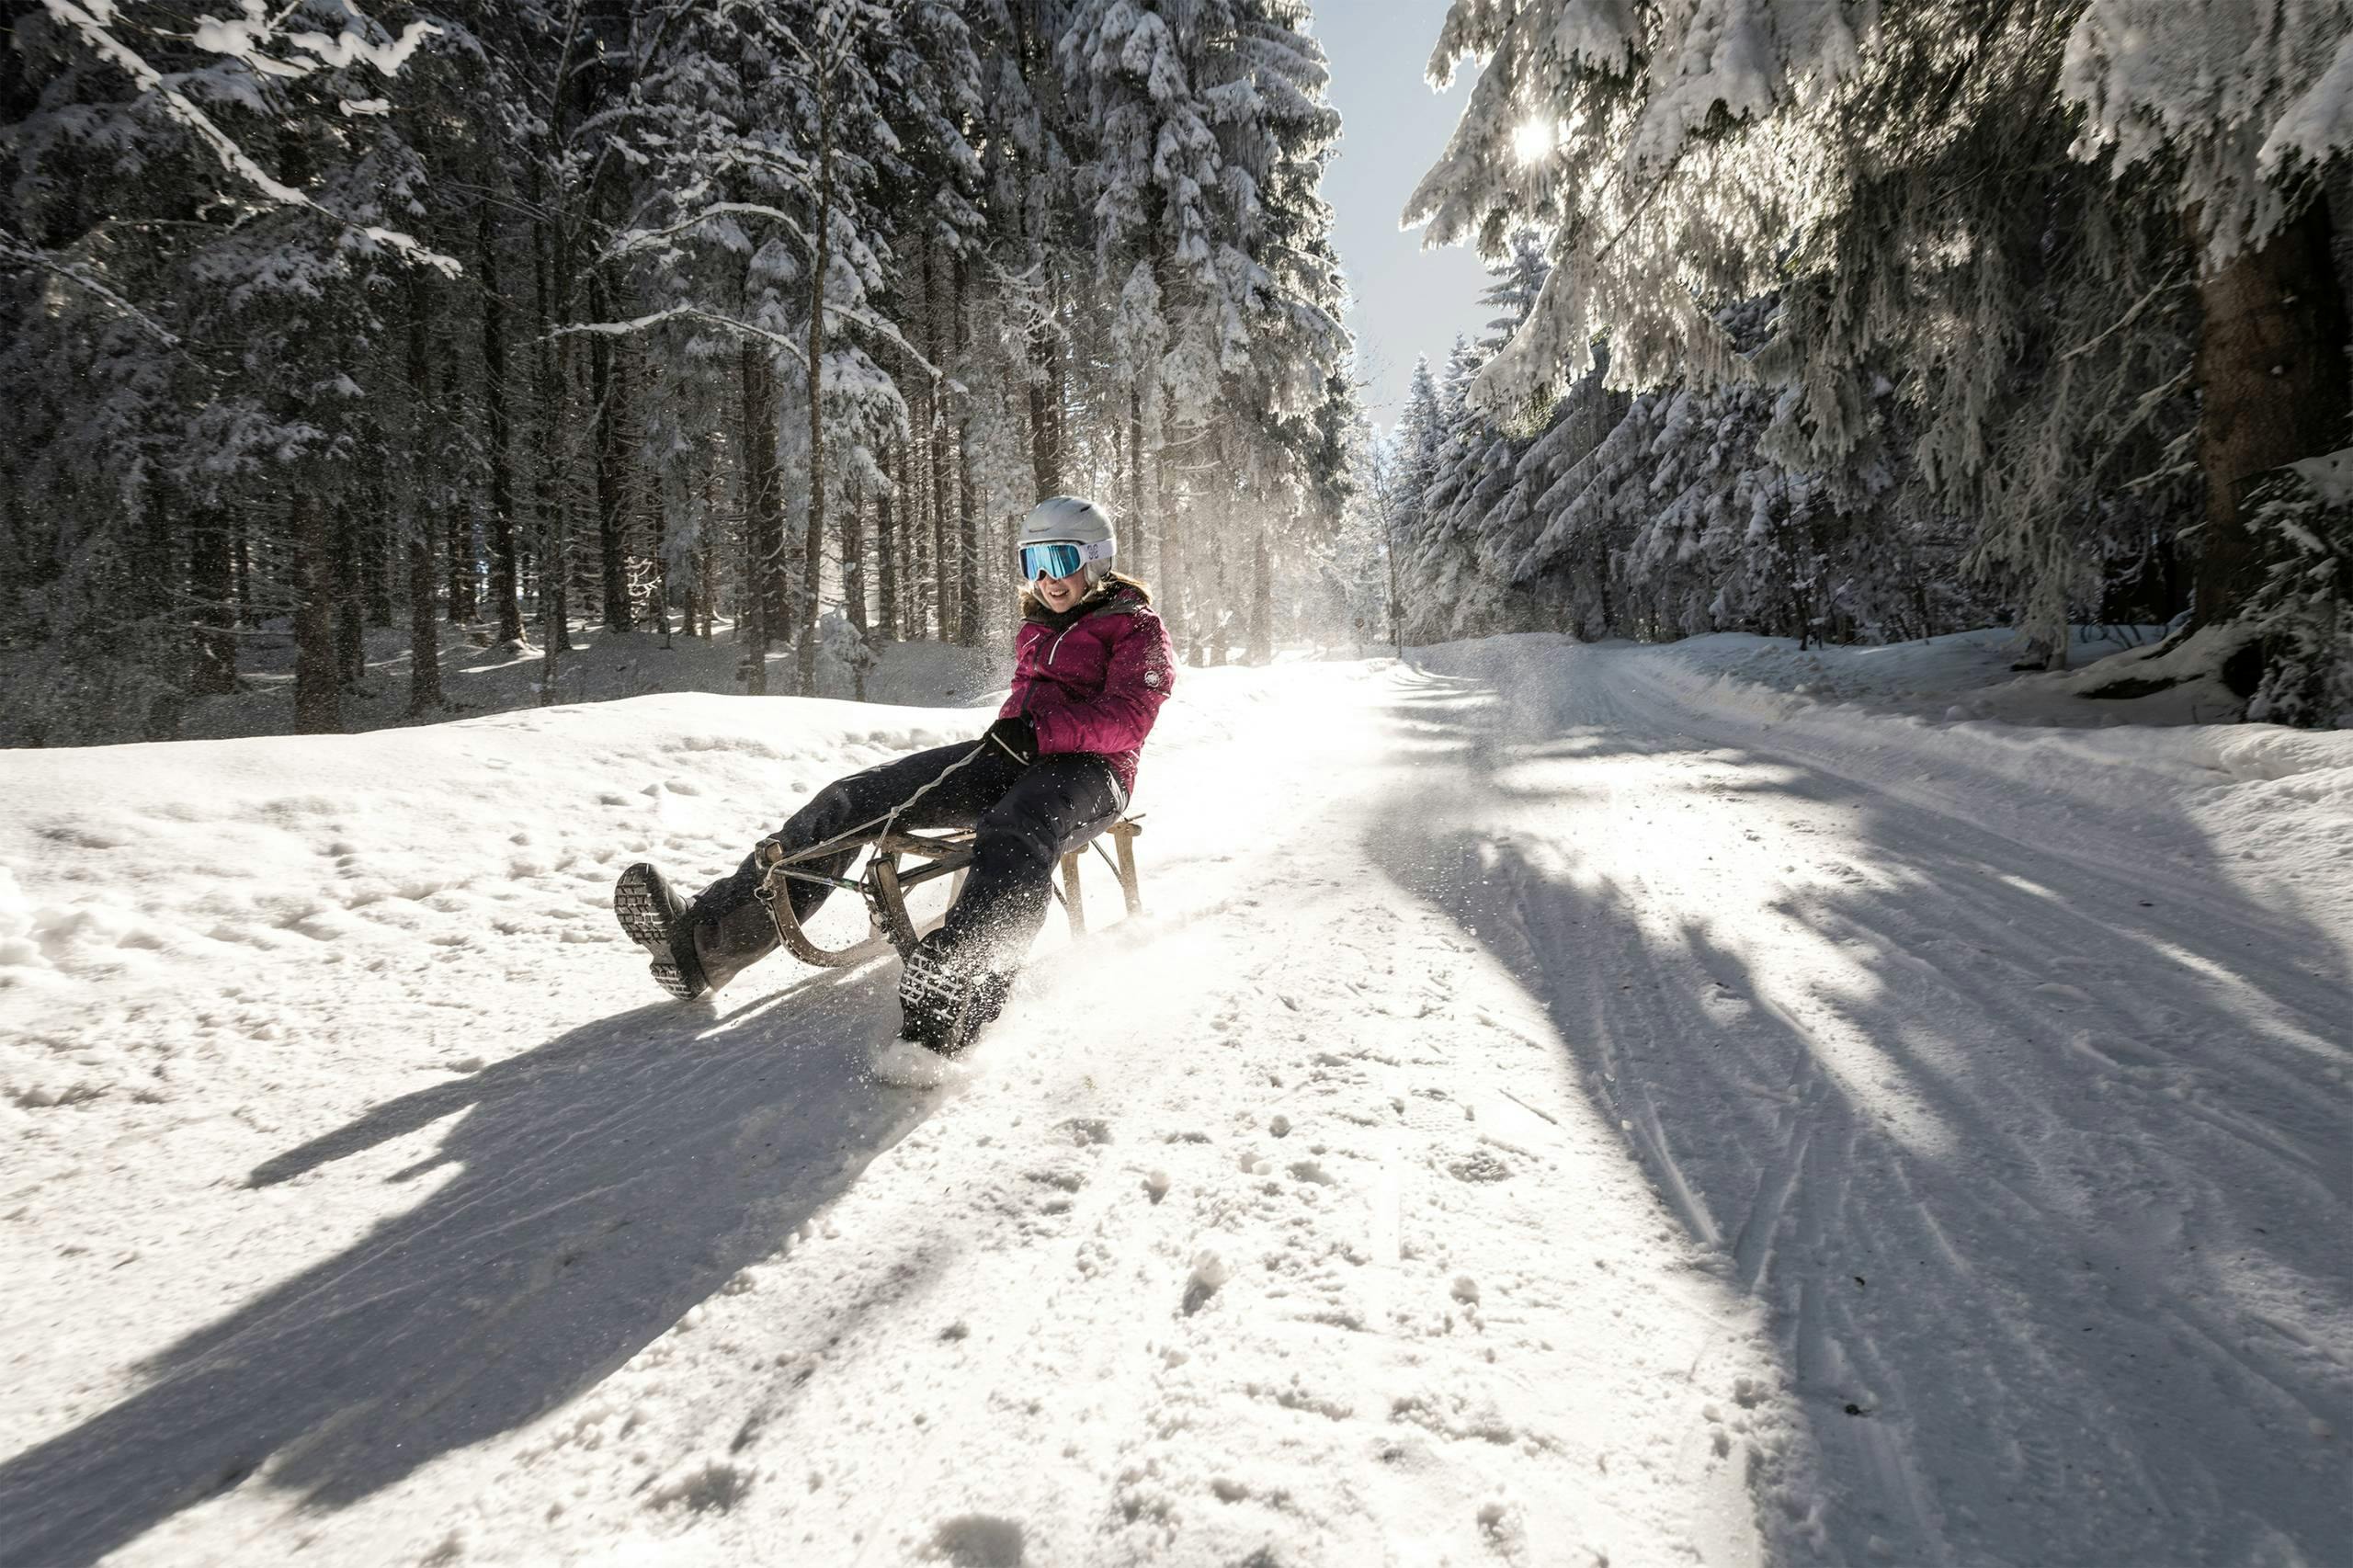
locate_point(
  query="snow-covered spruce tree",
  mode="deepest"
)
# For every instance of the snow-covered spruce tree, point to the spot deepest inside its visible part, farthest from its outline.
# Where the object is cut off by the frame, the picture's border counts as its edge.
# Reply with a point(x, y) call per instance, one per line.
point(2237, 107)
point(1896, 179)
point(614, 392)
point(1207, 135)
point(215, 262)
point(1449, 596)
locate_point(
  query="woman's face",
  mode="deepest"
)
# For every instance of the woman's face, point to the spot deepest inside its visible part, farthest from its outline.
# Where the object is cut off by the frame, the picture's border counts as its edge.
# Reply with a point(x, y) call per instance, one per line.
point(1060, 593)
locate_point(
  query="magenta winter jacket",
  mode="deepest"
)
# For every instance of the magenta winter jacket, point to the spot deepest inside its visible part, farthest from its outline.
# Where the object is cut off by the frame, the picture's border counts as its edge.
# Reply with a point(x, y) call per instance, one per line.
point(1094, 680)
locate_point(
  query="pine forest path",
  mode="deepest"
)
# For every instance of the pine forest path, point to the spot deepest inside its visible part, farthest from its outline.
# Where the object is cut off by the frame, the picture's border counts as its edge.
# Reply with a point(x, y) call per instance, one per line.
point(1535, 1123)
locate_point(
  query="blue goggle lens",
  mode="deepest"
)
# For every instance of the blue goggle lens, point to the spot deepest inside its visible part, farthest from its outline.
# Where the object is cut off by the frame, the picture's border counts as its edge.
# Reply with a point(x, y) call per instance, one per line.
point(1059, 559)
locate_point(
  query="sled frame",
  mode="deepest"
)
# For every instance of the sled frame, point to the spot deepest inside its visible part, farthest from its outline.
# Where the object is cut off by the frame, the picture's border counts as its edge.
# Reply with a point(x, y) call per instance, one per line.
point(884, 882)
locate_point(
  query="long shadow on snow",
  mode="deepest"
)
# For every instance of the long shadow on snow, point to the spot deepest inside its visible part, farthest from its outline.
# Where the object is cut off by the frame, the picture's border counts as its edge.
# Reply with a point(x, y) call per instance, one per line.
point(606, 1182)
point(2047, 1206)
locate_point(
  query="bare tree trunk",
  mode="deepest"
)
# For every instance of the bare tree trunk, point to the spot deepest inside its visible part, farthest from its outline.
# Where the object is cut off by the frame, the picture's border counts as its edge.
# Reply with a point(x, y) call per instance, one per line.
point(1175, 607)
point(605, 392)
point(350, 635)
point(212, 581)
point(424, 630)
point(245, 553)
point(503, 585)
point(424, 625)
point(707, 559)
point(2272, 374)
point(662, 565)
point(551, 279)
point(853, 545)
point(968, 521)
point(886, 549)
point(318, 690)
point(763, 513)
point(376, 558)
point(814, 544)
point(1045, 398)
point(916, 525)
point(1133, 546)
point(938, 301)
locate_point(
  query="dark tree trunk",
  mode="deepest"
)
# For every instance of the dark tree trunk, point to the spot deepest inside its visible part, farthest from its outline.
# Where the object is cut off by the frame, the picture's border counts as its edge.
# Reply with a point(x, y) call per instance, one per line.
point(551, 297)
point(938, 299)
point(423, 626)
point(763, 513)
point(458, 528)
point(459, 545)
point(318, 693)
point(1045, 414)
point(504, 589)
point(1171, 589)
point(212, 581)
point(813, 562)
point(1132, 547)
point(245, 571)
point(706, 590)
point(662, 565)
point(350, 632)
point(853, 544)
point(376, 562)
point(424, 630)
point(2272, 374)
point(921, 600)
point(886, 550)
point(968, 517)
point(605, 392)
point(968, 545)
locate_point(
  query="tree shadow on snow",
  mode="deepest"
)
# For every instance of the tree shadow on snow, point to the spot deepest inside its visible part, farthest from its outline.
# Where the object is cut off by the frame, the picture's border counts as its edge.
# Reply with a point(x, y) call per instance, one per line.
point(2041, 1171)
point(605, 1183)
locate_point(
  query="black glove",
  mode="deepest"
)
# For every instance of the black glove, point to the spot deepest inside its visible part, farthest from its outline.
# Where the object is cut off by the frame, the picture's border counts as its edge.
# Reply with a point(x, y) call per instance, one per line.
point(1014, 734)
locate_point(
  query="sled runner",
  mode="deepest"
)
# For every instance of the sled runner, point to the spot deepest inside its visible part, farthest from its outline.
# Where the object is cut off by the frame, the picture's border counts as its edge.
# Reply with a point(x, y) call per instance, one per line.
point(884, 884)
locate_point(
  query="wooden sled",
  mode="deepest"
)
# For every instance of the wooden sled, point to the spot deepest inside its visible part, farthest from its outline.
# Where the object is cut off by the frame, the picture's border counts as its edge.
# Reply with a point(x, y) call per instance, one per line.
point(884, 883)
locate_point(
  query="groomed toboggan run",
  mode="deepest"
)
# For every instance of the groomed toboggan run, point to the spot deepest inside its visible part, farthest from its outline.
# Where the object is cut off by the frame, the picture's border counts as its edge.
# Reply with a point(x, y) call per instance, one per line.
point(1562, 1105)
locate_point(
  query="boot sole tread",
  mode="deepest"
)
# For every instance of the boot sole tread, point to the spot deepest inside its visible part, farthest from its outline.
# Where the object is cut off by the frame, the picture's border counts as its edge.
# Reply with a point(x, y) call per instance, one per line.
point(646, 920)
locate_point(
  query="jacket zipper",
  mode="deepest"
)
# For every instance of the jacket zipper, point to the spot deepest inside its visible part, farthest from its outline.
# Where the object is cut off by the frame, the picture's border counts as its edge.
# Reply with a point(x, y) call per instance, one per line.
point(1050, 655)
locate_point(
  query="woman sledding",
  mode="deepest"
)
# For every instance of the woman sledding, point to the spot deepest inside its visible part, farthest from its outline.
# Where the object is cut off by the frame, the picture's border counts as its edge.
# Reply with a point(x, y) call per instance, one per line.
point(1092, 665)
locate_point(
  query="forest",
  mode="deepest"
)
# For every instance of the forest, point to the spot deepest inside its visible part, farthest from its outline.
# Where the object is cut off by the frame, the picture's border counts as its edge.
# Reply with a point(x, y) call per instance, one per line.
point(1841, 322)
point(759, 321)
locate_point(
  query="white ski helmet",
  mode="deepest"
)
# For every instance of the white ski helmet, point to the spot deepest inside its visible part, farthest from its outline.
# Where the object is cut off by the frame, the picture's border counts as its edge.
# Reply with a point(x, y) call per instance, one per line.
point(1069, 519)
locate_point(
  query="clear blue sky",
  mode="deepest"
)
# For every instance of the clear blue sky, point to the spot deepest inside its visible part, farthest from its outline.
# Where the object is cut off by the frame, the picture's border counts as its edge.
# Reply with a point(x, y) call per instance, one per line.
point(1408, 300)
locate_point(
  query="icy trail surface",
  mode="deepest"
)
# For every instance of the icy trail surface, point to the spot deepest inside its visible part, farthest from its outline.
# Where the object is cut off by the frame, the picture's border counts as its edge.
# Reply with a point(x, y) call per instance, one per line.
point(1562, 1106)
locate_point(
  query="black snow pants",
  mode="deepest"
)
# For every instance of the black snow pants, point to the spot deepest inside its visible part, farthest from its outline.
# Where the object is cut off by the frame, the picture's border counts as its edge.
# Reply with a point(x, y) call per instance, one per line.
point(1024, 819)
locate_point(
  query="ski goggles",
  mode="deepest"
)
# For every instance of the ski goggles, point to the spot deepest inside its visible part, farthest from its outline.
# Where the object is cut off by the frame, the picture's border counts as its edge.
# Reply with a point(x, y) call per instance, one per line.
point(1061, 557)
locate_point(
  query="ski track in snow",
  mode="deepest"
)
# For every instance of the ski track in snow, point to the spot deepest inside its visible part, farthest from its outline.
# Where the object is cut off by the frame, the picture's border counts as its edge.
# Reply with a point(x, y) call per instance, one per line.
point(1546, 1116)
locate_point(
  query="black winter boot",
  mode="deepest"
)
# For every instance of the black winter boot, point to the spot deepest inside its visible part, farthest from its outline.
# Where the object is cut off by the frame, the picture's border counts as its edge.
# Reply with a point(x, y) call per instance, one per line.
point(945, 1002)
point(699, 945)
point(653, 916)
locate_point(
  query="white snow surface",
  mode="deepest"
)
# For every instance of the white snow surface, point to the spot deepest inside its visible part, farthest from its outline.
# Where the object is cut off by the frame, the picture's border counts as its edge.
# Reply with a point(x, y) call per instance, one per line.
point(1561, 1105)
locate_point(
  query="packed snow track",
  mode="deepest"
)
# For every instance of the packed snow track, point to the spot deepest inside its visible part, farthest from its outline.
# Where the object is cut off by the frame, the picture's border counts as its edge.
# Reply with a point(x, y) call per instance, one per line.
point(1554, 1110)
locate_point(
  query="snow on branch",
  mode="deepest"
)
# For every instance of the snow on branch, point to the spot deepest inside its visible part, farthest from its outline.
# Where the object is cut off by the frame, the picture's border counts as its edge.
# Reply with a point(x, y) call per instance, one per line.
point(731, 323)
point(241, 41)
point(633, 240)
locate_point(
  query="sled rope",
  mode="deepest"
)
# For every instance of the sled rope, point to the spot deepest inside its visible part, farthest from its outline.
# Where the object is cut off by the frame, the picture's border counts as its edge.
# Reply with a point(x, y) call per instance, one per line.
point(766, 891)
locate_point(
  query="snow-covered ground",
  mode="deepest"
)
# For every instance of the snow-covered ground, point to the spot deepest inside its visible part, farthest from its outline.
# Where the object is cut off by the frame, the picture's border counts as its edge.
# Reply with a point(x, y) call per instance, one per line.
point(600, 666)
point(1562, 1106)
